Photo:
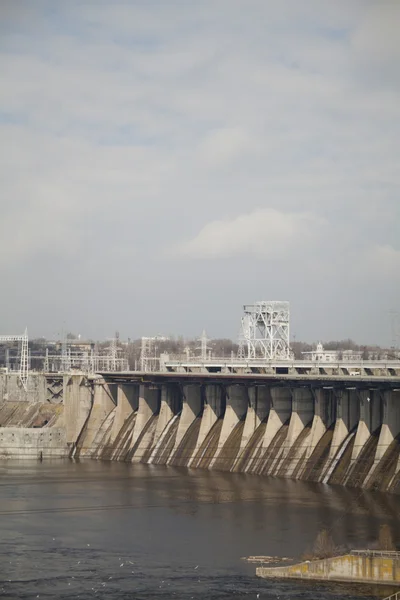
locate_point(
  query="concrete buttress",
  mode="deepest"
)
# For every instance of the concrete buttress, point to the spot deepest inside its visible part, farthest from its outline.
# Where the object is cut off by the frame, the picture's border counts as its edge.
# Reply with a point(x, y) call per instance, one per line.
point(281, 409)
point(258, 409)
point(347, 416)
point(259, 398)
point(213, 410)
point(170, 406)
point(191, 409)
point(78, 399)
point(324, 417)
point(149, 405)
point(127, 402)
point(390, 427)
point(347, 408)
point(370, 420)
point(104, 402)
point(302, 415)
point(236, 406)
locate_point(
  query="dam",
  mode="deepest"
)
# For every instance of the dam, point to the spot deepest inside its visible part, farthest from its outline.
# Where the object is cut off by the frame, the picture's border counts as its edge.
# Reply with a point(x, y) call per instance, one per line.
point(161, 478)
point(329, 419)
point(326, 428)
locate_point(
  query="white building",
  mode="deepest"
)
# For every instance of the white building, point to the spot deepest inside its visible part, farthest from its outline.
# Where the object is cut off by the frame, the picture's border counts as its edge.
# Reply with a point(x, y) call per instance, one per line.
point(322, 355)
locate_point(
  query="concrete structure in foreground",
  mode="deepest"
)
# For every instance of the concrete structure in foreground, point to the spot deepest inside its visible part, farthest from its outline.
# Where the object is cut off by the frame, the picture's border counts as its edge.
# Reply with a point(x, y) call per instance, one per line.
point(322, 428)
point(358, 567)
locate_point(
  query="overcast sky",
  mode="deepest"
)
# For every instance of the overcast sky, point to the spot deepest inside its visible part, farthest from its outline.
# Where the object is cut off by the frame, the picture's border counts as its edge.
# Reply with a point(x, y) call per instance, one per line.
point(164, 162)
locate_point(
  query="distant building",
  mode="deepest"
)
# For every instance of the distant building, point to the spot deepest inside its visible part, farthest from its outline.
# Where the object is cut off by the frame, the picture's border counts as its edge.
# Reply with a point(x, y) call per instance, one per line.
point(349, 355)
point(322, 355)
point(75, 345)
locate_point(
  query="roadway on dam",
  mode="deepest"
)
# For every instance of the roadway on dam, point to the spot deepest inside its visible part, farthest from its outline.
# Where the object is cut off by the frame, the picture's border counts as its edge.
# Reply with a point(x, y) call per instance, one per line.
point(113, 530)
point(336, 381)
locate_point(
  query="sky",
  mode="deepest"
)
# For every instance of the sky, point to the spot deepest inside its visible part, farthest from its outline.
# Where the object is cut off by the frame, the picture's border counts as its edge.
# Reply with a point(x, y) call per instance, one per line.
point(164, 162)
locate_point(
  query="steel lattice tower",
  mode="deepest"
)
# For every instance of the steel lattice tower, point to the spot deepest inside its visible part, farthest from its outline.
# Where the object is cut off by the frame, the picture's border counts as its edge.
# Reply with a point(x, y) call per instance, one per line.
point(23, 354)
point(265, 330)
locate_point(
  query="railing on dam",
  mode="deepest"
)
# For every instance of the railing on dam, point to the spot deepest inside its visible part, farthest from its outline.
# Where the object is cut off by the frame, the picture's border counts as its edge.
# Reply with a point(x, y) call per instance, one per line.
point(351, 368)
point(395, 596)
point(380, 553)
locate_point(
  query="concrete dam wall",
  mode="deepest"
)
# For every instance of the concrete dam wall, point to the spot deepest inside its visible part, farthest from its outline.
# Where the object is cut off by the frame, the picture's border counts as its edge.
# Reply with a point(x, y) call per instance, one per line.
point(32, 421)
point(344, 434)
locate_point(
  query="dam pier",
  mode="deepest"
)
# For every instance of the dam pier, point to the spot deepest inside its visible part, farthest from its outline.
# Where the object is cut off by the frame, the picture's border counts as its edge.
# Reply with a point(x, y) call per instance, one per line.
point(328, 428)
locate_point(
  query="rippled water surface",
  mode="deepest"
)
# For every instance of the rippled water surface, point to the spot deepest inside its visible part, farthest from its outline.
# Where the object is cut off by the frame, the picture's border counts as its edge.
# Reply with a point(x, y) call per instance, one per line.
point(123, 531)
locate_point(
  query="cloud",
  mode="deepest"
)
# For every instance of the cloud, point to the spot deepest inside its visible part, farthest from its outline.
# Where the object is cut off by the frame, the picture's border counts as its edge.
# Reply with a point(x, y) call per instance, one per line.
point(222, 147)
point(376, 42)
point(217, 131)
point(384, 261)
point(265, 233)
point(70, 193)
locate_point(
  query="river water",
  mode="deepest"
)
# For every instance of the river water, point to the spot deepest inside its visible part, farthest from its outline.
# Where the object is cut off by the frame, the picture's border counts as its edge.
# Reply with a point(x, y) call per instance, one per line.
point(120, 531)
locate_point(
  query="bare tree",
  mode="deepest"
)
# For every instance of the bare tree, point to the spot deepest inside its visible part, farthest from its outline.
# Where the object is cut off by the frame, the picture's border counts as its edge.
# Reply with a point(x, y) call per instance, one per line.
point(324, 547)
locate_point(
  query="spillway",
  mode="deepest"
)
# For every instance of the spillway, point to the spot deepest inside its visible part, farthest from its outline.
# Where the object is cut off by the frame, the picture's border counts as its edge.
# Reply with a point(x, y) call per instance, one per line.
point(310, 435)
point(338, 434)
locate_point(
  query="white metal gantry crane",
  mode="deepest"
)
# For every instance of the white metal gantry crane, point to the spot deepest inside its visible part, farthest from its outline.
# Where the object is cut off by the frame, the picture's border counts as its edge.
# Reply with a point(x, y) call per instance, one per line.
point(24, 356)
point(265, 330)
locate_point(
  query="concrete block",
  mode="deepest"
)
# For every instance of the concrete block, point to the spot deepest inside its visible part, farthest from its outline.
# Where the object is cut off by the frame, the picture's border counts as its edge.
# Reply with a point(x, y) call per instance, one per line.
point(41, 443)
